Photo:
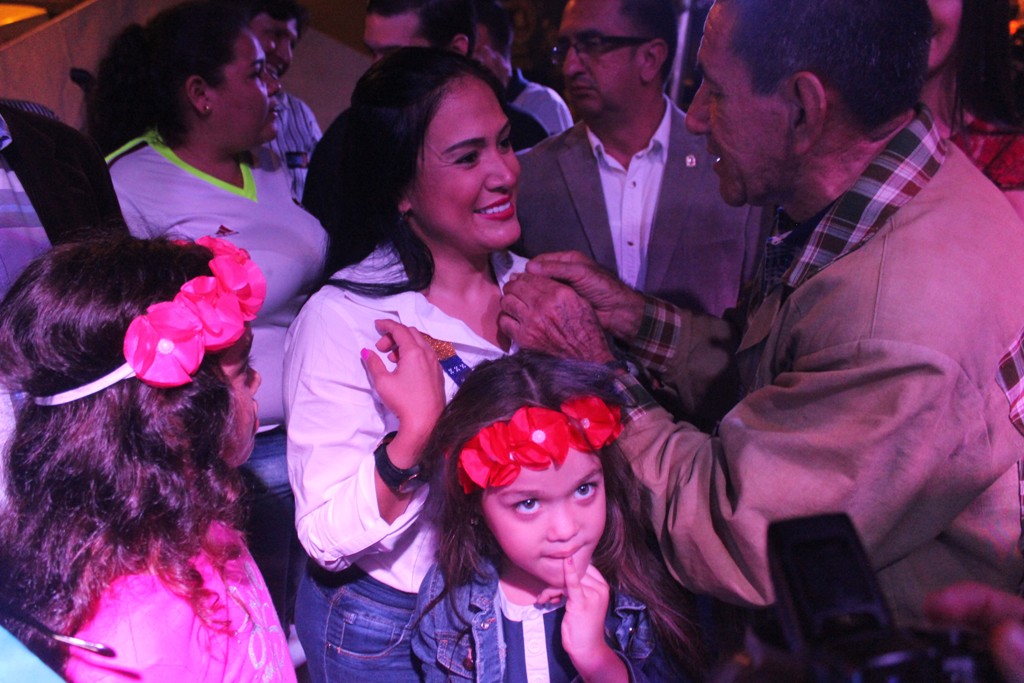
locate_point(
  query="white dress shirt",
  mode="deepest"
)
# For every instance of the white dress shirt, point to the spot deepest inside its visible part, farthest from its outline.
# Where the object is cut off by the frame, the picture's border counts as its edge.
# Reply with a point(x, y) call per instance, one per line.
point(631, 198)
point(545, 105)
point(335, 421)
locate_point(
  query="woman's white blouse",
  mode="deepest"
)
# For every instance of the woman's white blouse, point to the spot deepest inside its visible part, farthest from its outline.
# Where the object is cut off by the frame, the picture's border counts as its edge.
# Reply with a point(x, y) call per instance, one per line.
point(335, 421)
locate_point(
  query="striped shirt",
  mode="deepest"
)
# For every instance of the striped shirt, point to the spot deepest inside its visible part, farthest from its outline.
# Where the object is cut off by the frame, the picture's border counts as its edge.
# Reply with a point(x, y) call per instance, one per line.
point(297, 135)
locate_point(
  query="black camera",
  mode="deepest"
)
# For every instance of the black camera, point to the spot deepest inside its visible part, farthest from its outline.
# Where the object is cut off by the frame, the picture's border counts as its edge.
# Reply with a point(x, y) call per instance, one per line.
point(834, 621)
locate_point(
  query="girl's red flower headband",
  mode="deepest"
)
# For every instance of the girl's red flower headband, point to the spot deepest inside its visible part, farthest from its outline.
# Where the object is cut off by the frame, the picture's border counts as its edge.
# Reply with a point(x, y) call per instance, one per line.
point(165, 346)
point(535, 438)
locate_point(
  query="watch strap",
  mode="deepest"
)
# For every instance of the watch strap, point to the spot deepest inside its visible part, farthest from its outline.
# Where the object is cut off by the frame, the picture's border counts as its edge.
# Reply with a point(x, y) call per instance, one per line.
point(395, 478)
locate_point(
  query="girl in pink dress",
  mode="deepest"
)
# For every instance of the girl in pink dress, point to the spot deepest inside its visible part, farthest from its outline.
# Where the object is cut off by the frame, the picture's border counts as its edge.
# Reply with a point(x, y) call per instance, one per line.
point(129, 364)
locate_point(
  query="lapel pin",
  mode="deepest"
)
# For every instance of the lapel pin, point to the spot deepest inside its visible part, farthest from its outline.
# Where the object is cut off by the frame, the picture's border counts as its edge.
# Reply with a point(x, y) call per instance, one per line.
point(691, 161)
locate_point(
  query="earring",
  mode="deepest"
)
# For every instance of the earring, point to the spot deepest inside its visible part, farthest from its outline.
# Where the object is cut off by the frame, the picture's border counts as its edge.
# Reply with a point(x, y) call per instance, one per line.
point(206, 109)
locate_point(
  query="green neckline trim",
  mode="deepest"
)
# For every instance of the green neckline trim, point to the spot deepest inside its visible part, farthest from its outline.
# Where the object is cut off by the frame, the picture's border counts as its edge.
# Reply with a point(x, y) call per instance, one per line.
point(152, 138)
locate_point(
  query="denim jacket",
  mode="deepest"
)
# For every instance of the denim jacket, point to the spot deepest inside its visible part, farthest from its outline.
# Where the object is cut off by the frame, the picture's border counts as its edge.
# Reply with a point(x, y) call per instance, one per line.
point(449, 650)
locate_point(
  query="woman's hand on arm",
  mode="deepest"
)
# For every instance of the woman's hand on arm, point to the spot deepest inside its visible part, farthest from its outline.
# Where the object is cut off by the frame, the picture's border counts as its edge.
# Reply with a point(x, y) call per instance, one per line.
point(413, 391)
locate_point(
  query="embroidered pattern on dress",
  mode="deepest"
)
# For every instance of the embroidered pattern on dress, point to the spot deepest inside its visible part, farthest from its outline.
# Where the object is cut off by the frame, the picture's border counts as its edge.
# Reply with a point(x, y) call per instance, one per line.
point(265, 654)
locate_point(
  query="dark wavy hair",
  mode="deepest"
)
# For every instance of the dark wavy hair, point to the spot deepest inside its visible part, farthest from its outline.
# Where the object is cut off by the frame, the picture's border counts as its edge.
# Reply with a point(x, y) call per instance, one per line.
point(440, 20)
point(984, 72)
point(495, 17)
point(392, 107)
point(626, 555)
point(140, 81)
point(873, 52)
point(128, 480)
point(281, 10)
point(655, 19)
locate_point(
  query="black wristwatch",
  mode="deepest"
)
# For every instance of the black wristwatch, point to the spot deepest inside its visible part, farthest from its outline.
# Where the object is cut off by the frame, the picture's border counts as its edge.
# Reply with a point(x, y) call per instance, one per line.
point(398, 480)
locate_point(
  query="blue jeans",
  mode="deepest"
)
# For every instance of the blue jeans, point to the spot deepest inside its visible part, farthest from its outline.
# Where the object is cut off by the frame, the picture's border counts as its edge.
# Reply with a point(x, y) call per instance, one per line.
point(354, 629)
point(270, 527)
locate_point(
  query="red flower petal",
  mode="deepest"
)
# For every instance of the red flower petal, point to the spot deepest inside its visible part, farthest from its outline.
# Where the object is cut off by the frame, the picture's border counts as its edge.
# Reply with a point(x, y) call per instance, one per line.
point(165, 346)
point(473, 469)
point(598, 423)
point(244, 279)
point(493, 442)
point(538, 437)
point(218, 311)
point(503, 475)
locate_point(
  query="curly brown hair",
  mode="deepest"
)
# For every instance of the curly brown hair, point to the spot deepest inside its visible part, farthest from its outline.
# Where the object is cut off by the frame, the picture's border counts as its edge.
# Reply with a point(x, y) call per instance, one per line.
point(128, 480)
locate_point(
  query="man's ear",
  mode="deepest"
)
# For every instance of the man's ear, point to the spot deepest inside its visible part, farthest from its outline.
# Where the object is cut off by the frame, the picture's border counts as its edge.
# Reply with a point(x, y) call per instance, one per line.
point(652, 56)
point(460, 44)
point(197, 91)
point(807, 103)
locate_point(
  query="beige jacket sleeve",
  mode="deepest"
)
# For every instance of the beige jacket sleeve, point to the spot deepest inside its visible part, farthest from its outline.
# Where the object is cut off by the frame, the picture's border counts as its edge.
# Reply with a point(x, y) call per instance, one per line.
point(889, 432)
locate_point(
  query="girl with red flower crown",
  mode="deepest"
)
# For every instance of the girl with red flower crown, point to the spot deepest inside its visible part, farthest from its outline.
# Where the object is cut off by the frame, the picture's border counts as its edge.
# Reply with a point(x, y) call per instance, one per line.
point(544, 570)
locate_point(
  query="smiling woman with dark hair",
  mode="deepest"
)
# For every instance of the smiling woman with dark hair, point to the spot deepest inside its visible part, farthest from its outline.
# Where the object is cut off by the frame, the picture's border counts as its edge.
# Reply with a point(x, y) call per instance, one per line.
point(430, 184)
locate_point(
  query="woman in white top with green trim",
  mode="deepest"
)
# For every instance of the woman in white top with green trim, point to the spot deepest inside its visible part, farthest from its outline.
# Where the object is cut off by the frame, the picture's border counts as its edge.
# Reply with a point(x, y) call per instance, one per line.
point(181, 101)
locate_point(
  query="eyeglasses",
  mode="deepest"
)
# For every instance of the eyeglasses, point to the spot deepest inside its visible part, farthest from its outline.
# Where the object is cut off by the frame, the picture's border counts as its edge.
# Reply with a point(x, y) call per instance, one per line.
point(591, 44)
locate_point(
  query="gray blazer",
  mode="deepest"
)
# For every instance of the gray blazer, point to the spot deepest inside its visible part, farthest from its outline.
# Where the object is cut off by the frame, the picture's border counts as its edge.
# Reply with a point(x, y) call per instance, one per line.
point(701, 250)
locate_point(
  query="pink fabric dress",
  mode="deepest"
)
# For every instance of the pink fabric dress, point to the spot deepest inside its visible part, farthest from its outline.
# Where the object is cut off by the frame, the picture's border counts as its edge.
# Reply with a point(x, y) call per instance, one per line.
point(158, 638)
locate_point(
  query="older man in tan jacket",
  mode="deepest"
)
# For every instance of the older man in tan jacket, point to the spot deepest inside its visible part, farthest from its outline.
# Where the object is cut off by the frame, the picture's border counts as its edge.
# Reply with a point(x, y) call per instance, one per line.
point(867, 354)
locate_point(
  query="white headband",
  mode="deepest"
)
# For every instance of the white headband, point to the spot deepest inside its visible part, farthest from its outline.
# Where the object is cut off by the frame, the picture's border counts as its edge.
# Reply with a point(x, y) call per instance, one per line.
point(95, 386)
point(165, 345)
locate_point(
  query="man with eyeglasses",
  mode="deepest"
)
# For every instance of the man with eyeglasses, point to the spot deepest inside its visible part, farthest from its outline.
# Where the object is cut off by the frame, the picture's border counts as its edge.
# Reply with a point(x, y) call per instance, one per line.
point(628, 185)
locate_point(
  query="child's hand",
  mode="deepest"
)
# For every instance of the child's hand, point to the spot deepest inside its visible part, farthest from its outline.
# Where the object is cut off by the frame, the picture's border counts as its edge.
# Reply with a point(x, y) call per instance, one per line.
point(583, 627)
point(585, 609)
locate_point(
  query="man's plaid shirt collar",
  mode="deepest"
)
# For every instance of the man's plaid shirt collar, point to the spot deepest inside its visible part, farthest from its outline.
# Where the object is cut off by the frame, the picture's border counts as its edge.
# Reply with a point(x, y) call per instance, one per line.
point(905, 166)
point(892, 179)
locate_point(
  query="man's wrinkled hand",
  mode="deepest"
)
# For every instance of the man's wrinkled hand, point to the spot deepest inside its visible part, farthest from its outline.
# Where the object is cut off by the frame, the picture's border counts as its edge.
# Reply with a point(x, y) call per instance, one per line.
point(618, 307)
point(541, 314)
